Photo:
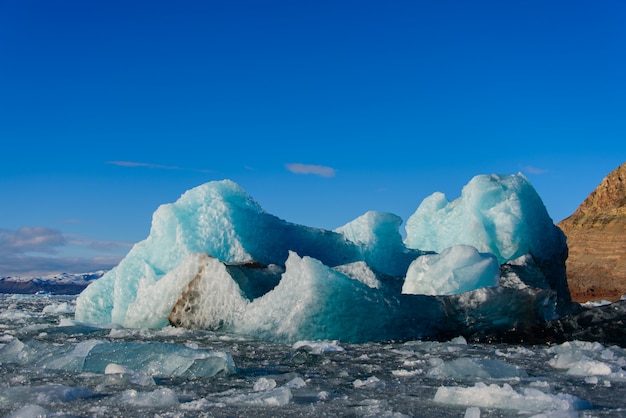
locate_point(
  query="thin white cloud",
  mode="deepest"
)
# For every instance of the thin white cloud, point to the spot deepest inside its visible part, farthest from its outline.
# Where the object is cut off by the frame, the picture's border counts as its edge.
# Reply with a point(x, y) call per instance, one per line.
point(534, 170)
point(31, 239)
point(318, 170)
point(154, 166)
point(33, 266)
point(37, 250)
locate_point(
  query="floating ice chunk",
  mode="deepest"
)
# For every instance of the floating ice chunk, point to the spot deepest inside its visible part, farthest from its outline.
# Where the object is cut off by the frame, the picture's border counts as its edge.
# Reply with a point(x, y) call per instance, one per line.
point(263, 383)
point(502, 215)
point(371, 382)
point(29, 411)
point(59, 308)
point(456, 270)
point(65, 322)
point(158, 359)
point(371, 408)
point(579, 358)
point(472, 412)
point(577, 348)
point(460, 340)
point(200, 405)
point(51, 356)
point(505, 397)
point(43, 394)
point(153, 359)
point(13, 351)
point(14, 315)
point(466, 368)
point(158, 398)
point(319, 347)
point(461, 368)
point(73, 359)
point(273, 397)
point(588, 367)
point(407, 373)
point(296, 383)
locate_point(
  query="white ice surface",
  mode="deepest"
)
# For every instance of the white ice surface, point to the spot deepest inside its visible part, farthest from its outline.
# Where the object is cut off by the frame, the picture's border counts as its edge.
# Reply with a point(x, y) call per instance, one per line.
point(315, 300)
point(506, 397)
point(502, 215)
point(457, 269)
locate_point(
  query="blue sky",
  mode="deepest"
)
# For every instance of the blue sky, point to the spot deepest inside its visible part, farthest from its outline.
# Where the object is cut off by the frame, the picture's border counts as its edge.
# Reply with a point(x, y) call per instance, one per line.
point(321, 110)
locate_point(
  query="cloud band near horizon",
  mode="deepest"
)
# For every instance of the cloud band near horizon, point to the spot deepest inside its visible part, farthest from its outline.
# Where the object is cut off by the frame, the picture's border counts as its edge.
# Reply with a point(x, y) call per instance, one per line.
point(318, 170)
point(37, 250)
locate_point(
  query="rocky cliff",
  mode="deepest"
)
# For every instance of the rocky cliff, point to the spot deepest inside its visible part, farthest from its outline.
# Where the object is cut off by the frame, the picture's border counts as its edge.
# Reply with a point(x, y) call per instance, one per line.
point(596, 237)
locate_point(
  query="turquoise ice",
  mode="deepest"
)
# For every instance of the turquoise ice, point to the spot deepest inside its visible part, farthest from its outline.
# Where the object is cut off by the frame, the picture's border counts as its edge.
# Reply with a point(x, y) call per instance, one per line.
point(225, 264)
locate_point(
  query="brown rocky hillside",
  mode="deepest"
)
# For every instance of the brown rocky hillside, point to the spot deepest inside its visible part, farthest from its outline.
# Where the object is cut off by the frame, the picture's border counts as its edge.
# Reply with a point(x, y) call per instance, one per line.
point(596, 237)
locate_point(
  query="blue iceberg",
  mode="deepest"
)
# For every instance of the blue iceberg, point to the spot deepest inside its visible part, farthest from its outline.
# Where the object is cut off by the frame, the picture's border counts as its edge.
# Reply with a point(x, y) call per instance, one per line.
point(502, 215)
point(490, 261)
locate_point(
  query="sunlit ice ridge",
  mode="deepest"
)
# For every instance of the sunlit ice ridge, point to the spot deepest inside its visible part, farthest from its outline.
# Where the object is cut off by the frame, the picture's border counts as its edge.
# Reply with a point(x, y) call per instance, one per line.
point(488, 262)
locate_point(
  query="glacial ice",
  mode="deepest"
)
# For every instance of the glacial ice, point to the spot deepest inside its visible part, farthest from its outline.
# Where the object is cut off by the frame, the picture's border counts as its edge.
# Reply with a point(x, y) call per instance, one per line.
point(487, 262)
point(378, 237)
point(319, 347)
point(45, 394)
point(30, 411)
point(314, 300)
point(158, 398)
point(581, 358)
point(502, 215)
point(505, 397)
point(95, 356)
point(457, 269)
point(279, 396)
point(464, 368)
point(223, 299)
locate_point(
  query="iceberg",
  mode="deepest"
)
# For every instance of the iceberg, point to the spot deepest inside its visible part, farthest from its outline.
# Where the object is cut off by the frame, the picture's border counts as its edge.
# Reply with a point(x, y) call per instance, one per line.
point(485, 263)
point(498, 214)
point(502, 215)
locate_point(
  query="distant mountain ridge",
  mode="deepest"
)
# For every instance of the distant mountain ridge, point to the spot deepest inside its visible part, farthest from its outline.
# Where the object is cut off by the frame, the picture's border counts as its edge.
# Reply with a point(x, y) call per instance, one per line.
point(596, 238)
point(60, 284)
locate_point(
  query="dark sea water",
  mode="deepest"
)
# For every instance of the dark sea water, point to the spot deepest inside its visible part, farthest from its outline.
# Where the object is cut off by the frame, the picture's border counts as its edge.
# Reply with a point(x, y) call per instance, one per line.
point(51, 365)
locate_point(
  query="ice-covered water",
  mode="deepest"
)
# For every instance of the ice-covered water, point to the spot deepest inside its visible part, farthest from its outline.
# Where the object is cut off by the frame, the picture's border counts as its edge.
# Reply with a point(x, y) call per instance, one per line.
point(53, 365)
